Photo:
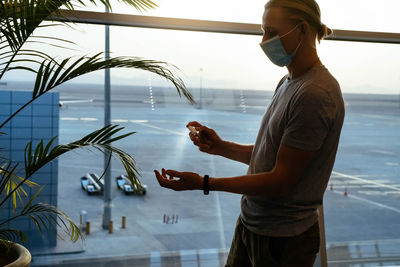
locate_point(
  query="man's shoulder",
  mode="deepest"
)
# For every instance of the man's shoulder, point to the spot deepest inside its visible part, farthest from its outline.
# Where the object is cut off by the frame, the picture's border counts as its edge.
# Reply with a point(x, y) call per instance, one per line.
point(324, 80)
point(320, 86)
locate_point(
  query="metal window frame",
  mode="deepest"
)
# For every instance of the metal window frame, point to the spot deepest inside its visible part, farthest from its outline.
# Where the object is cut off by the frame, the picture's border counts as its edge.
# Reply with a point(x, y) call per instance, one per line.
point(140, 21)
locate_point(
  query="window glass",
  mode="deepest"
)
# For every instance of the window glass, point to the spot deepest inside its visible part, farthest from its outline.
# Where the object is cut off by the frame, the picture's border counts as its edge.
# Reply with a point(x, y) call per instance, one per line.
point(232, 82)
point(362, 15)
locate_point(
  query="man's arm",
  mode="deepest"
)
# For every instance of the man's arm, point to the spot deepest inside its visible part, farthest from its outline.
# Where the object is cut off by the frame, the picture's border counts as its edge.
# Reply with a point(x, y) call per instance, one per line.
point(237, 152)
point(289, 166)
point(208, 141)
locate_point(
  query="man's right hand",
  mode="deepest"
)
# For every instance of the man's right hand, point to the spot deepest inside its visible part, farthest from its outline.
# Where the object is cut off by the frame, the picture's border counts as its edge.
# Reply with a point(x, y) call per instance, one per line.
point(207, 139)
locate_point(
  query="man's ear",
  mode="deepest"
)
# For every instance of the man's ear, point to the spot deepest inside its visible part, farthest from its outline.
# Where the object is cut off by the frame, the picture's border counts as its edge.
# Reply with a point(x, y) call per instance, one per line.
point(304, 27)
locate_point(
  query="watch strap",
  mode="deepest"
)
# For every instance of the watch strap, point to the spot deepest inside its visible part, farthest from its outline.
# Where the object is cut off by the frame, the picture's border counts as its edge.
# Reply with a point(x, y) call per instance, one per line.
point(206, 185)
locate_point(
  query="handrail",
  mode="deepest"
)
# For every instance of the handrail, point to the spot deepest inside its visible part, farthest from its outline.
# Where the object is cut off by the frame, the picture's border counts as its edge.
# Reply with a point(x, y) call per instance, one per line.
point(114, 19)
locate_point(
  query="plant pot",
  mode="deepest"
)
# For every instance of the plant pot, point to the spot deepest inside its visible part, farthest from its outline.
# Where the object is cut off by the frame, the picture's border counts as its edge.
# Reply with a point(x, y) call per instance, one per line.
point(16, 256)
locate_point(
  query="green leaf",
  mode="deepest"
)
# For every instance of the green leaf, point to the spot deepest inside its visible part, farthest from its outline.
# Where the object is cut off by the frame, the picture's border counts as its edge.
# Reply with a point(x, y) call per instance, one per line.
point(11, 235)
point(96, 139)
point(44, 216)
point(10, 181)
point(85, 65)
point(19, 19)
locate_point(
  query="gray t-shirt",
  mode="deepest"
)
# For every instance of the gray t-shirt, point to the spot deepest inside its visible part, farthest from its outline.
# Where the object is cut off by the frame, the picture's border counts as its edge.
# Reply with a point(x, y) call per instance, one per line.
point(305, 113)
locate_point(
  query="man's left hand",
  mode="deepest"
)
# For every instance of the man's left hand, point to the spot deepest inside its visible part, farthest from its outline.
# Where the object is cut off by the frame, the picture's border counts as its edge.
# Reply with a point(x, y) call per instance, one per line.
point(179, 181)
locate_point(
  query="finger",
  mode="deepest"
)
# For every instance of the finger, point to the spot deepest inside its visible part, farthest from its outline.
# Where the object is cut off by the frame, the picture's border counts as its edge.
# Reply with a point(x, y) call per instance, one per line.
point(204, 146)
point(193, 136)
point(165, 175)
point(174, 173)
point(164, 182)
point(194, 124)
point(205, 150)
point(159, 177)
point(204, 130)
point(205, 133)
point(197, 143)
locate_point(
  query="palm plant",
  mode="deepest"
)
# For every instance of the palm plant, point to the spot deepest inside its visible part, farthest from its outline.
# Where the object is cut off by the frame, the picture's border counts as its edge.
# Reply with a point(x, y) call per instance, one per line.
point(18, 21)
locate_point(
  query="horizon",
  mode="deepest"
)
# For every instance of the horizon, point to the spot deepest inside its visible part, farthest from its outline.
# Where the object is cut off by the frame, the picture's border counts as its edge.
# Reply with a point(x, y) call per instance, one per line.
point(70, 84)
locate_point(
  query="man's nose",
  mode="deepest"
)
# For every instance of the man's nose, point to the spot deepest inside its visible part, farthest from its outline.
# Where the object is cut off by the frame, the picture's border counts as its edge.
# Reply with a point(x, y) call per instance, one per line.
point(264, 38)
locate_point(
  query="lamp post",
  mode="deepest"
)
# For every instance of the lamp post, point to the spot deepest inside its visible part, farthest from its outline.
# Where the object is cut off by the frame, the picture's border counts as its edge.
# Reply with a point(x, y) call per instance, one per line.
point(107, 121)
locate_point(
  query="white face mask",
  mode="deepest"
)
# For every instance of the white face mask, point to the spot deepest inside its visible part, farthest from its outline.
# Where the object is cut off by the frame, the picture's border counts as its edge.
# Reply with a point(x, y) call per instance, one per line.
point(275, 51)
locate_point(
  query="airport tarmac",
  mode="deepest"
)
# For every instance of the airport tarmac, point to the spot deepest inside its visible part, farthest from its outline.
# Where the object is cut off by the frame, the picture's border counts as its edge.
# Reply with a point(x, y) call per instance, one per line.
point(362, 208)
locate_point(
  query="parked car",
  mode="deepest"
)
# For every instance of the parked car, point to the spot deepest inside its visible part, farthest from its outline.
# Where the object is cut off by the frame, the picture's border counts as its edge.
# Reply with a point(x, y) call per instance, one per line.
point(91, 184)
point(125, 185)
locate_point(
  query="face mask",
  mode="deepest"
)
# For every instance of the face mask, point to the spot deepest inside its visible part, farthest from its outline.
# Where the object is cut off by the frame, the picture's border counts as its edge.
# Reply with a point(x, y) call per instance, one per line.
point(274, 50)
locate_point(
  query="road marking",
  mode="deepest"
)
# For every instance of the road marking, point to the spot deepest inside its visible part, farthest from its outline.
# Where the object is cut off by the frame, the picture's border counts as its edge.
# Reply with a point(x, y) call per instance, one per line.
point(380, 193)
point(371, 175)
point(161, 129)
point(368, 201)
point(371, 193)
point(139, 121)
point(69, 119)
point(96, 119)
point(392, 164)
point(383, 152)
point(119, 120)
point(365, 180)
point(88, 119)
point(386, 117)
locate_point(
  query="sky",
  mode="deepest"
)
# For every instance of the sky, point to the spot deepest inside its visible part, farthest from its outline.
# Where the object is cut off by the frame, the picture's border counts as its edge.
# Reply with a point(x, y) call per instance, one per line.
point(236, 61)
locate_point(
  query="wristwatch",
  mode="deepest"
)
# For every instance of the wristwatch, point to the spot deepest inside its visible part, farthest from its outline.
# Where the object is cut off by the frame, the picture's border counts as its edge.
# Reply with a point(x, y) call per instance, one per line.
point(206, 185)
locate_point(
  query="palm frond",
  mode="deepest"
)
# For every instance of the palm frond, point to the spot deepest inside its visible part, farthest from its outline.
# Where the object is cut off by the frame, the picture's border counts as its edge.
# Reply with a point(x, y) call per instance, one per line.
point(7, 169)
point(50, 75)
point(45, 215)
point(11, 235)
point(129, 165)
point(6, 55)
point(100, 139)
point(140, 5)
point(18, 20)
point(10, 181)
point(12, 58)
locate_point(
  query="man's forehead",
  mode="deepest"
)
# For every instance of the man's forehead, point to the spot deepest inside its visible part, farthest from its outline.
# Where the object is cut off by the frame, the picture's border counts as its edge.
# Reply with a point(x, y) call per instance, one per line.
point(273, 17)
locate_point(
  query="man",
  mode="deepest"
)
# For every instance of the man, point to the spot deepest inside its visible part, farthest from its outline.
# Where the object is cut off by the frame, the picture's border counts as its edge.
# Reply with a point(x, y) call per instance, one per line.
point(294, 153)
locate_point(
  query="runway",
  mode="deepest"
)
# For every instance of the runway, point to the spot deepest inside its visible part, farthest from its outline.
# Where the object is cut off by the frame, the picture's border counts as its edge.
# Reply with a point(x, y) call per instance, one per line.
point(362, 207)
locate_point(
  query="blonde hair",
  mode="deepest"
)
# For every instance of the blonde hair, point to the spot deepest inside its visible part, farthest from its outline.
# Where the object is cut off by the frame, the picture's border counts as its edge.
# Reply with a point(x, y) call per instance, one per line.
point(307, 10)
